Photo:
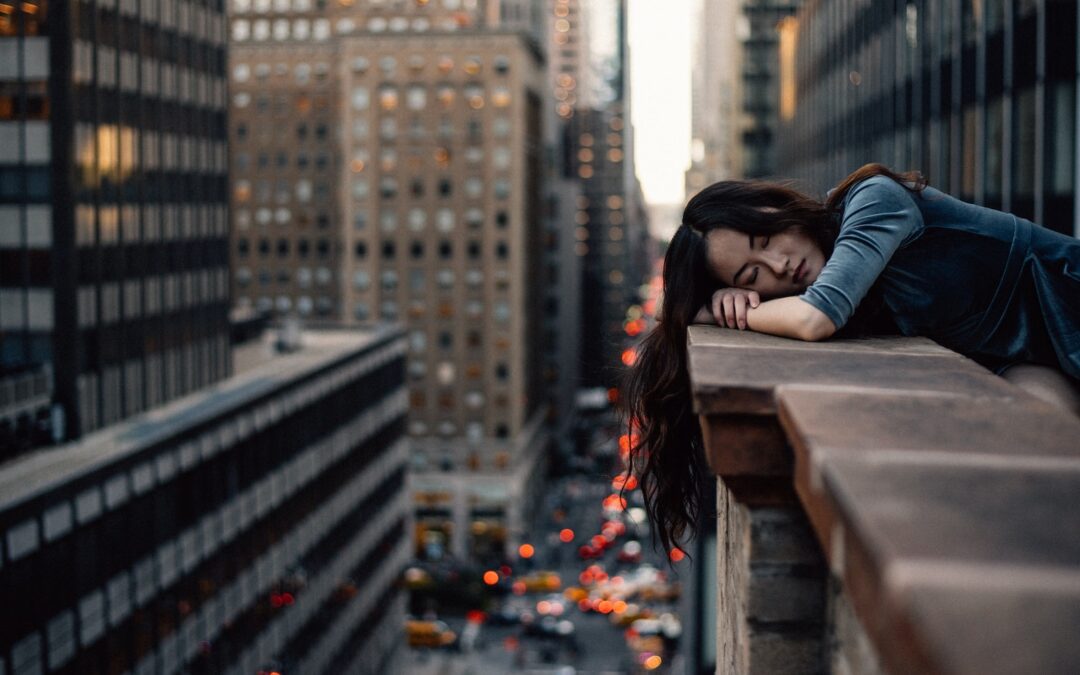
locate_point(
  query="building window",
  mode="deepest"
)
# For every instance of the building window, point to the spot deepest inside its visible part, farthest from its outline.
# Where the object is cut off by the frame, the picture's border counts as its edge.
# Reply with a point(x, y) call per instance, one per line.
point(416, 98)
point(417, 250)
point(388, 250)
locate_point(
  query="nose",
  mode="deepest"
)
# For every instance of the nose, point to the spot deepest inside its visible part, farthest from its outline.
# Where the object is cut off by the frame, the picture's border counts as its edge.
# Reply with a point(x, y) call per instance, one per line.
point(777, 262)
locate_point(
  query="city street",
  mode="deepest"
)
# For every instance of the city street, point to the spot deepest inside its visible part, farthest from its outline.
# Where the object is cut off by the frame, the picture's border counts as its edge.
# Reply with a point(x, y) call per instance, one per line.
point(596, 646)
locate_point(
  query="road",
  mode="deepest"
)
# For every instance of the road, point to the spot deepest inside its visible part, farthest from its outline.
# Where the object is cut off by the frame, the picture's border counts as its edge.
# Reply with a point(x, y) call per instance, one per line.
point(600, 646)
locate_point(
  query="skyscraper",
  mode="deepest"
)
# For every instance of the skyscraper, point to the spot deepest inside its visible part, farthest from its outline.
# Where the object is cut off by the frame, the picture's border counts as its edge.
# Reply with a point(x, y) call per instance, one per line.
point(113, 249)
point(388, 167)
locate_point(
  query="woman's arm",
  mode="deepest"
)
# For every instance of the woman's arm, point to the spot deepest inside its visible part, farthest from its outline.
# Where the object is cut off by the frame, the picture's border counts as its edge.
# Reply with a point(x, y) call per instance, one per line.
point(790, 317)
point(787, 317)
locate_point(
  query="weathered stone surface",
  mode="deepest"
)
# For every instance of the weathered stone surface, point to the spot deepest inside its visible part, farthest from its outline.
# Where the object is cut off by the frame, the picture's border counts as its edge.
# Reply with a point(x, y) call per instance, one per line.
point(937, 428)
point(745, 445)
point(982, 627)
point(743, 378)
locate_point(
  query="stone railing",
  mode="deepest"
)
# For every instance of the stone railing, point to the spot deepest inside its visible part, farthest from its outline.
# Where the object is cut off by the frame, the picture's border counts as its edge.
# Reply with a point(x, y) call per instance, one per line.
point(886, 506)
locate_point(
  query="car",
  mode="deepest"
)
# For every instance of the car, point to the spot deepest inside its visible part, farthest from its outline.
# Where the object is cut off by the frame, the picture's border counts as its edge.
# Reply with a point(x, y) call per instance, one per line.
point(590, 552)
point(544, 581)
point(423, 633)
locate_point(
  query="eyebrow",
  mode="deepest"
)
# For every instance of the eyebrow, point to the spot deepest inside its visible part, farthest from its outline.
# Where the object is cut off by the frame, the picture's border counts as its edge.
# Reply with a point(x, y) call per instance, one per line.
point(735, 279)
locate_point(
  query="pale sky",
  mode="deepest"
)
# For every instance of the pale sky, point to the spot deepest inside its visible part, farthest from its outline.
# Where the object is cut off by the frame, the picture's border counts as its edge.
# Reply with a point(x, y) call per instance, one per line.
point(660, 41)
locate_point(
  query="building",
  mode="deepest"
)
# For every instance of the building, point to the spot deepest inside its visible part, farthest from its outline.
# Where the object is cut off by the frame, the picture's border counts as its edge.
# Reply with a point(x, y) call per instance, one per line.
point(610, 222)
point(113, 244)
point(389, 167)
point(259, 525)
point(716, 115)
point(981, 97)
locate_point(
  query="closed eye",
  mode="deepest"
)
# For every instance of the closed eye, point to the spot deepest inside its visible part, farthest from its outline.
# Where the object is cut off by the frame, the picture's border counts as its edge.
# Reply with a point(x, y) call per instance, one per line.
point(753, 277)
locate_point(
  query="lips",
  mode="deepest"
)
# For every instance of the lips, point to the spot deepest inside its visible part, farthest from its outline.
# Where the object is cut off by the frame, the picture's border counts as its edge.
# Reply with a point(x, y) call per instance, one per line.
point(800, 272)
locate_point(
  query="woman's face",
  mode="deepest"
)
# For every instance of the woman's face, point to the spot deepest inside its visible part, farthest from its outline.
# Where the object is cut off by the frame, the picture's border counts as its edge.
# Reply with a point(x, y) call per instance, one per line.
point(773, 265)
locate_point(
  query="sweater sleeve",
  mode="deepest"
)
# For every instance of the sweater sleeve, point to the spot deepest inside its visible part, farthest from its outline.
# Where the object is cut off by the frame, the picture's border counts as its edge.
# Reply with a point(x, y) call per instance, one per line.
point(879, 216)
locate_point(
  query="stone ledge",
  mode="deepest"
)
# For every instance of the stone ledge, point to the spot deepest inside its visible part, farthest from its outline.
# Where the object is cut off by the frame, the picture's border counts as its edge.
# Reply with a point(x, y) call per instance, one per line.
point(942, 496)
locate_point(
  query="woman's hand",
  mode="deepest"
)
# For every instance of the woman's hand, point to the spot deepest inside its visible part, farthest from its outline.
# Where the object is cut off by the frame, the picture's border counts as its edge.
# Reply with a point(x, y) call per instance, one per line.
point(729, 306)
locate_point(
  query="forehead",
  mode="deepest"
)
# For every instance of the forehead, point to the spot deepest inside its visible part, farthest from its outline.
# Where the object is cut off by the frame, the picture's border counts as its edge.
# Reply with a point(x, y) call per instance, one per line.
point(726, 251)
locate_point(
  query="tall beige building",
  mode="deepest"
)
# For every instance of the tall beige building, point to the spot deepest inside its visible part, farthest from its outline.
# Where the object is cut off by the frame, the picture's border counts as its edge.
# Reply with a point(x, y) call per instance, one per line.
point(717, 117)
point(387, 166)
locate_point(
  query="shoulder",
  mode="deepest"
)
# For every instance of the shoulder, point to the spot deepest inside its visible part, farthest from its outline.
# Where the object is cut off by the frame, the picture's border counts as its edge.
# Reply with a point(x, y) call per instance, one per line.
point(878, 188)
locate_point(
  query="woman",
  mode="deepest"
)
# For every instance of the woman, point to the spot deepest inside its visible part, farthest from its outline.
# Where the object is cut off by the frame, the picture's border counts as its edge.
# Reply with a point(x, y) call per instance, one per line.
point(884, 253)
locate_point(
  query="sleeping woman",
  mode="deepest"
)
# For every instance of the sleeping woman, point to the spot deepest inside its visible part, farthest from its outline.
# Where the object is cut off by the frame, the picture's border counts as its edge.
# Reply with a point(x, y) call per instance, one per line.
point(885, 253)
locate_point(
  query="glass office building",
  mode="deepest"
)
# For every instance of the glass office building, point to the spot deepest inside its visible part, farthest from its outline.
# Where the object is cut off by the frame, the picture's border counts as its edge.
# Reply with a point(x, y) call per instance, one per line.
point(979, 96)
point(113, 204)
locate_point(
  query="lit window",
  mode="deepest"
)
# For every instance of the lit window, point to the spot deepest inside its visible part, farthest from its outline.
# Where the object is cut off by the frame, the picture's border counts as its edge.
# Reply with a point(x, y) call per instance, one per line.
point(474, 154)
point(377, 24)
point(389, 280)
point(360, 129)
point(263, 216)
point(360, 65)
point(474, 308)
point(388, 64)
point(320, 29)
point(417, 219)
point(445, 64)
point(501, 127)
point(241, 30)
point(500, 157)
point(500, 98)
point(445, 278)
point(303, 190)
point(472, 65)
point(242, 99)
point(241, 72)
point(284, 303)
point(502, 188)
point(301, 31)
point(281, 30)
point(399, 24)
point(474, 277)
point(281, 216)
point(445, 94)
point(361, 280)
point(388, 220)
point(345, 26)
point(242, 191)
point(445, 373)
point(242, 5)
point(360, 189)
point(243, 276)
point(416, 98)
point(474, 217)
point(474, 94)
point(262, 6)
point(388, 98)
point(260, 30)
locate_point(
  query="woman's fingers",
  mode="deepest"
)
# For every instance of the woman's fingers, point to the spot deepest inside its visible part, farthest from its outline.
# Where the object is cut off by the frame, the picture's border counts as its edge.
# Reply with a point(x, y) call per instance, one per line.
point(754, 298)
point(740, 311)
point(729, 310)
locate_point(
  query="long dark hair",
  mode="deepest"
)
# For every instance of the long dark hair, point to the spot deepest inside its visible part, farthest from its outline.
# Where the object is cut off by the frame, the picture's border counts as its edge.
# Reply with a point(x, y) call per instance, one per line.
point(666, 449)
